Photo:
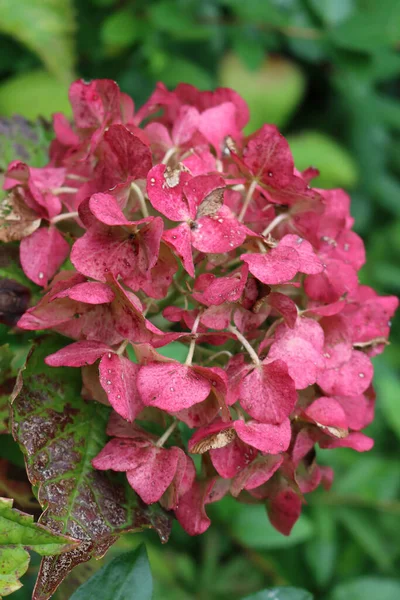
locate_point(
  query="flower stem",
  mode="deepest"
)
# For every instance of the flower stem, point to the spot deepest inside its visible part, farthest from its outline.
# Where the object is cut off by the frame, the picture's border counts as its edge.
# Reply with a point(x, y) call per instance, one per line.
point(247, 200)
point(274, 223)
point(192, 346)
point(141, 198)
point(122, 347)
point(252, 353)
point(169, 154)
point(64, 190)
point(64, 217)
point(161, 441)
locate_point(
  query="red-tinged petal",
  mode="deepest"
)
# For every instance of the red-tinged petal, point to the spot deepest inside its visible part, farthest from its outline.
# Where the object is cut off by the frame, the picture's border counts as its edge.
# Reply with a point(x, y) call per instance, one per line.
point(327, 310)
point(337, 279)
point(191, 513)
point(217, 317)
point(338, 346)
point(125, 156)
point(220, 233)
point(285, 306)
point(179, 239)
point(120, 428)
point(369, 317)
point(350, 379)
point(246, 320)
point(255, 474)
point(171, 386)
point(355, 440)
point(200, 163)
point(185, 125)
point(236, 369)
point(90, 292)
point(118, 379)
point(205, 194)
point(271, 439)
point(301, 349)
point(94, 103)
point(107, 210)
point(42, 253)
point(183, 480)
point(309, 261)
point(165, 190)
point(268, 393)
point(200, 414)
point(161, 274)
point(284, 509)
point(77, 354)
point(348, 248)
point(277, 266)
point(223, 289)
point(63, 130)
point(217, 123)
point(231, 459)
point(327, 412)
point(356, 410)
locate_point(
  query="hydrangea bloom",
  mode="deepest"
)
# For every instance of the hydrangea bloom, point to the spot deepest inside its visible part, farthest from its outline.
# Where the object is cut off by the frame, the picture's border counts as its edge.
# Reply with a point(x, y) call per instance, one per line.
point(186, 230)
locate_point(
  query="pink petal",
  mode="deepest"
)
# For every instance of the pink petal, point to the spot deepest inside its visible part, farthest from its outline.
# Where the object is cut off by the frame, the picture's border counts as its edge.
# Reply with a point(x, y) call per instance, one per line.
point(42, 253)
point(223, 289)
point(309, 261)
point(231, 459)
point(355, 440)
point(350, 379)
point(209, 436)
point(268, 393)
point(77, 354)
point(255, 474)
point(191, 512)
point(277, 266)
point(301, 349)
point(285, 306)
point(171, 386)
point(125, 156)
point(220, 233)
point(337, 279)
point(185, 125)
point(93, 102)
point(284, 509)
point(205, 194)
point(165, 191)
point(338, 346)
point(271, 439)
point(118, 377)
point(217, 123)
point(90, 292)
point(217, 317)
point(355, 409)
point(327, 412)
point(179, 239)
point(107, 210)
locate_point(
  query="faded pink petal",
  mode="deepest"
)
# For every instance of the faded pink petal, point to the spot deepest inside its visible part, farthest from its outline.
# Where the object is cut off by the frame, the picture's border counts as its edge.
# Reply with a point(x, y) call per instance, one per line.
point(355, 440)
point(308, 261)
point(90, 292)
point(179, 239)
point(231, 459)
point(327, 412)
point(277, 266)
point(42, 254)
point(284, 509)
point(255, 474)
point(268, 393)
point(350, 379)
point(222, 289)
point(285, 306)
point(118, 377)
point(337, 279)
point(219, 233)
point(171, 386)
point(77, 354)
point(165, 191)
point(271, 439)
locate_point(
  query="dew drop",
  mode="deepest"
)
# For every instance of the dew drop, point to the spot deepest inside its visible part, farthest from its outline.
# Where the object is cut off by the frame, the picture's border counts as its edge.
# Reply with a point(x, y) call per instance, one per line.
point(389, 323)
point(361, 375)
point(152, 181)
point(108, 382)
point(220, 220)
point(109, 355)
point(327, 355)
point(119, 397)
point(346, 247)
point(109, 370)
point(171, 389)
point(270, 174)
point(174, 237)
point(41, 275)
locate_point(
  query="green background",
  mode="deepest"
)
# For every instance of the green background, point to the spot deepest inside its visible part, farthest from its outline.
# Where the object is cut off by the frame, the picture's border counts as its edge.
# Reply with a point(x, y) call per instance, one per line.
point(328, 73)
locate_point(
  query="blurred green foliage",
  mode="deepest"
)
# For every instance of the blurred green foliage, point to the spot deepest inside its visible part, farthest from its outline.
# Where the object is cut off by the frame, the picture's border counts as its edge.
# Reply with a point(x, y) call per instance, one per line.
point(328, 73)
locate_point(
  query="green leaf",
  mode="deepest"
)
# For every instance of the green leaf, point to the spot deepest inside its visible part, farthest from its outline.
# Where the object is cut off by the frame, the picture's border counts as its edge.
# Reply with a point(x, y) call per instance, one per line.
point(336, 165)
point(180, 24)
point(120, 30)
point(22, 140)
point(281, 593)
point(252, 528)
point(376, 26)
point(14, 562)
point(255, 11)
point(388, 385)
point(367, 588)
point(178, 70)
point(46, 28)
point(60, 434)
point(126, 577)
point(321, 550)
point(333, 11)
point(18, 530)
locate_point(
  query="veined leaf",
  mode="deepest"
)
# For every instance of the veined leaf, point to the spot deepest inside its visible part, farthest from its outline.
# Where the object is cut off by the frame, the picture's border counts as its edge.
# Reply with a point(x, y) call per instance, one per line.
point(22, 140)
point(60, 434)
point(14, 562)
point(46, 28)
point(126, 577)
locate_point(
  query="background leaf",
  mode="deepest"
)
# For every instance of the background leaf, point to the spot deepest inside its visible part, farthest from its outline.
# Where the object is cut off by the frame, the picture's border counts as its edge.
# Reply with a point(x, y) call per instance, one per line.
point(126, 577)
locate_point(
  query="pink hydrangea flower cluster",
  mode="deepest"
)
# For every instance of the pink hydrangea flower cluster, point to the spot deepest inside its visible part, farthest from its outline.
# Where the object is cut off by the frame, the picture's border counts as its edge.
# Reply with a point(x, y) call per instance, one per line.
point(186, 230)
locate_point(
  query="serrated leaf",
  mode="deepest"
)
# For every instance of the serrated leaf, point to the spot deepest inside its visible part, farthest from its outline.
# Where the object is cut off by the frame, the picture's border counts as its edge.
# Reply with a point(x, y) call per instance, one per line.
point(14, 562)
point(22, 140)
point(46, 28)
point(252, 528)
point(60, 434)
point(126, 577)
point(367, 588)
point(281, 593)
point(17, 529)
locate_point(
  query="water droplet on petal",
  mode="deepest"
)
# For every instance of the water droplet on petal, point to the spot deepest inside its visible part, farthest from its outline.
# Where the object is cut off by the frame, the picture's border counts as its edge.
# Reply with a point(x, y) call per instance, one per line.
point(270, 174)
point(108, 382)
point(41, 275)
point(171, 389)
point(152, 181)
point(346, 247)
point(361, 375)
point(109, 355)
